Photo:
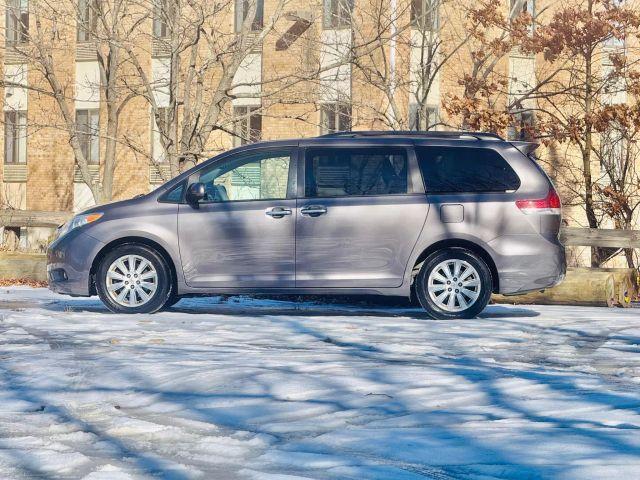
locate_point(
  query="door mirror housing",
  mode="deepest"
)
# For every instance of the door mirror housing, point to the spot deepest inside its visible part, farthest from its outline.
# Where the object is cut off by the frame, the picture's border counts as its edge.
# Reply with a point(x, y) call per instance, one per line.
point(196, 193)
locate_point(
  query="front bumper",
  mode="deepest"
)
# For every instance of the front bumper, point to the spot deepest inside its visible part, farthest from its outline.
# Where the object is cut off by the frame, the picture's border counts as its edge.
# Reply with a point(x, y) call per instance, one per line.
point(527, 263)
point(69, 261)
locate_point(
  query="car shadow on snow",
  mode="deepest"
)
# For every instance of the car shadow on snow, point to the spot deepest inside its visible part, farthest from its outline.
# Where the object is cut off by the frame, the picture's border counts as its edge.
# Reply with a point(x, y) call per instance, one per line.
point(267, 306)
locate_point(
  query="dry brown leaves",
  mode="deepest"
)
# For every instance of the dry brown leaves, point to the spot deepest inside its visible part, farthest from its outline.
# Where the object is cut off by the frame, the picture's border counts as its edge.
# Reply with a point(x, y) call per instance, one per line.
point(12, 282)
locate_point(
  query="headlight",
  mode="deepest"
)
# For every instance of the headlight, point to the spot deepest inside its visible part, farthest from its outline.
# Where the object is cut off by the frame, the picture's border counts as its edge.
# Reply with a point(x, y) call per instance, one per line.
point(78, 221)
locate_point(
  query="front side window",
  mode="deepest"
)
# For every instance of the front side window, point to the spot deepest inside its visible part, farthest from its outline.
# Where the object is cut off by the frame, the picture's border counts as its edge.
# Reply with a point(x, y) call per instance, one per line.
point(15, 137)
point(87, 20)
point(17, 21)
point(174, 195)
point(338, 172)
point(248, 126)
point(335, 117)
point(337, 13)
point(242, 10)
point(256, 176)
point(465, 170)
point(88, 127)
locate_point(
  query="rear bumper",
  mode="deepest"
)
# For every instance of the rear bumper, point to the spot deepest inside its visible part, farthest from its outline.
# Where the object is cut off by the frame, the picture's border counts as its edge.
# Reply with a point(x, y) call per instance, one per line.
point(528, 263)
point(69, 260)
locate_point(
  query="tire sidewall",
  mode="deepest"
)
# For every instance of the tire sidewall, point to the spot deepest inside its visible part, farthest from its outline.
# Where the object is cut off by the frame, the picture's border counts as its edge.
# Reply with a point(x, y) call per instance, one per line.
point(165, 284)
point(449, 254)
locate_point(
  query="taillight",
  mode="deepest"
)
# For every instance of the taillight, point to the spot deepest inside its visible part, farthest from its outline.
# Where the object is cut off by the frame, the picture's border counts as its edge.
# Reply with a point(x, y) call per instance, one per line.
point(549, 205)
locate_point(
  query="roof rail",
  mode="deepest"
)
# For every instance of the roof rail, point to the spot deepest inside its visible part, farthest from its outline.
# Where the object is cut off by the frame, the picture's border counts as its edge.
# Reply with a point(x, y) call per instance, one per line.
point(412, 133)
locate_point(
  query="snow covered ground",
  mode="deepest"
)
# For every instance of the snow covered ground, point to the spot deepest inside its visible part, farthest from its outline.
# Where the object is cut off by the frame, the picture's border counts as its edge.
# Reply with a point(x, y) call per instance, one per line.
point(264, 389)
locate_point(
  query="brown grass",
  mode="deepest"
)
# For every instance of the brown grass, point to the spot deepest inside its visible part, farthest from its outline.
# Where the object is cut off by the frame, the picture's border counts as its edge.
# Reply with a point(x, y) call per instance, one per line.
point(12, 282)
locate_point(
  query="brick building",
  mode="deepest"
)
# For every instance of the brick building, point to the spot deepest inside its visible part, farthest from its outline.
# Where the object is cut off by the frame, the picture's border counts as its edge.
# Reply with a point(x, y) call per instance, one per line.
point(291, 83)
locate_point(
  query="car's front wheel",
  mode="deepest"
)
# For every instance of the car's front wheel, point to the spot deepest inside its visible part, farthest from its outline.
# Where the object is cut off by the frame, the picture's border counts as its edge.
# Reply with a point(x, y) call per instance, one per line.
point(133, 278)
point(454, 283)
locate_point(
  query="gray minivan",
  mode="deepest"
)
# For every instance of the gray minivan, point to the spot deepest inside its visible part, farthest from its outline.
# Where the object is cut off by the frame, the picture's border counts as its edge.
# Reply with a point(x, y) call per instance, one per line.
point(448, 217)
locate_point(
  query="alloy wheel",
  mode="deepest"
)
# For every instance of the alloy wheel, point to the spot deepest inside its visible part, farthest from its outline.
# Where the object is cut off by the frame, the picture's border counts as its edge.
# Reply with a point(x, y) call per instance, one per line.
point(454, 285)
point(131, 281)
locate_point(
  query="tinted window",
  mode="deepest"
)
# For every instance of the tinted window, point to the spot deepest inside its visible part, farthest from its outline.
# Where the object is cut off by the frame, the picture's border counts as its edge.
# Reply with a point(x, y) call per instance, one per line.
point(458, 170)
point(337, 172)
point(258, 176)
point(173, 196)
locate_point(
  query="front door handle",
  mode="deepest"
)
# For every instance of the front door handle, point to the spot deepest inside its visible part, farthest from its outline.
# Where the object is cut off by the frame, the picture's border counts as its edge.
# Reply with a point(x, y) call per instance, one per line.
point(278, 212)
point(313, 210)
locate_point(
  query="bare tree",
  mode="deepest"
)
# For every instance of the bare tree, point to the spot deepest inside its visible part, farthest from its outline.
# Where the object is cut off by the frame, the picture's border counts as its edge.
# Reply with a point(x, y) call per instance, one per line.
point(201, 57)
point(617, 189)
point(484, 103)
point(577, 103)
point(102, 26)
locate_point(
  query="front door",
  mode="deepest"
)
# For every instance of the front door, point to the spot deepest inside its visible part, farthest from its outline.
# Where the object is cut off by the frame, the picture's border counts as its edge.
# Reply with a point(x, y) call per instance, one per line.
point(243, 233)
point(360, 217)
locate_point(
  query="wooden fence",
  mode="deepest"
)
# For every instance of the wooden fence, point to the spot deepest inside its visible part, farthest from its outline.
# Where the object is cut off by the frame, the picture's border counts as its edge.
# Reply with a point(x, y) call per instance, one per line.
point(570, 236)
point(589, 237)
point(32, 218)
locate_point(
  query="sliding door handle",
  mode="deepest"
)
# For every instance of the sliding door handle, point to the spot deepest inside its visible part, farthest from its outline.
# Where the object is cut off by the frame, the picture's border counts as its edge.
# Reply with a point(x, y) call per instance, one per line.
point(278, 212)
point(313, 210)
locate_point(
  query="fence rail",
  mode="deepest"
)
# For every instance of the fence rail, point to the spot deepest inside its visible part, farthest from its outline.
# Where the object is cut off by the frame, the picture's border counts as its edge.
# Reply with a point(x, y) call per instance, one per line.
point(32, 218)
point(591, 237)
point(570, 236)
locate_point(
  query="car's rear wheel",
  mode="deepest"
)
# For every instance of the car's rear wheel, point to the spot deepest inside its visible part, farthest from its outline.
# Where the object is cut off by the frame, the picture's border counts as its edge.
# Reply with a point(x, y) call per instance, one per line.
point(454, 283)
point(133, 278)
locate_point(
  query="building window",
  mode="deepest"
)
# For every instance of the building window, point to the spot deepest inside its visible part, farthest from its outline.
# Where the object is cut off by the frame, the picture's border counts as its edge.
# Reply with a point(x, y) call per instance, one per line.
point(87, 20)
point(613, 151)
point(424, 14)
point(17, 21)
point(337, 13)
point(527, 6)
point(15, 137)
point(248, 127)
point(242, 10)
point(161, 16)
point(612, 41)
point(335, 117)
point(158, 152)
point(88, 127)
point(418, 121)
point(522, 126)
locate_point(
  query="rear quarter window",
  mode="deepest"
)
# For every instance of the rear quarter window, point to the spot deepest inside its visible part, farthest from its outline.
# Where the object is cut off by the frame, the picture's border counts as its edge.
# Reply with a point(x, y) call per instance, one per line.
point(465, 170)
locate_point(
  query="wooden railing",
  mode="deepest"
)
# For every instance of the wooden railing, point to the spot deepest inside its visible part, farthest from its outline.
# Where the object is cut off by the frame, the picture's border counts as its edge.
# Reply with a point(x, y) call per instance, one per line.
point(591, 237)
point(570, 236)
point(32, 218)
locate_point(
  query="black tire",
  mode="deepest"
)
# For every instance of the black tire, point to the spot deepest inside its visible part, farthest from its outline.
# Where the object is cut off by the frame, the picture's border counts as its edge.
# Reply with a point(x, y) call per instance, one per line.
point(435, 259)
point(173, 299)
point(159, 298)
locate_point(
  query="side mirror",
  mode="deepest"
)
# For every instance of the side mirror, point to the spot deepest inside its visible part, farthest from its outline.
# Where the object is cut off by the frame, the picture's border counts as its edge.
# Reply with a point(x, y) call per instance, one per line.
point(196, 192)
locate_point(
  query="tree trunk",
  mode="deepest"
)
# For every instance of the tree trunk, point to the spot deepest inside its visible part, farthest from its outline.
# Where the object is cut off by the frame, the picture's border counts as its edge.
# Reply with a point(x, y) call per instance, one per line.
point(586, 151)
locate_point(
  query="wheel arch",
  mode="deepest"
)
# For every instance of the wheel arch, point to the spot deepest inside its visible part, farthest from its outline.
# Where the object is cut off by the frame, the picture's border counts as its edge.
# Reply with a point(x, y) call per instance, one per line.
point(461, 243)
point(135, 241)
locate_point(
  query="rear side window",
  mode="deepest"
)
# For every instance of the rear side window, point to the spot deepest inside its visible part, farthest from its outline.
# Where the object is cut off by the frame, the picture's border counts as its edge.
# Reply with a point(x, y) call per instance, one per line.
point(337, 172)
point(464, 170)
